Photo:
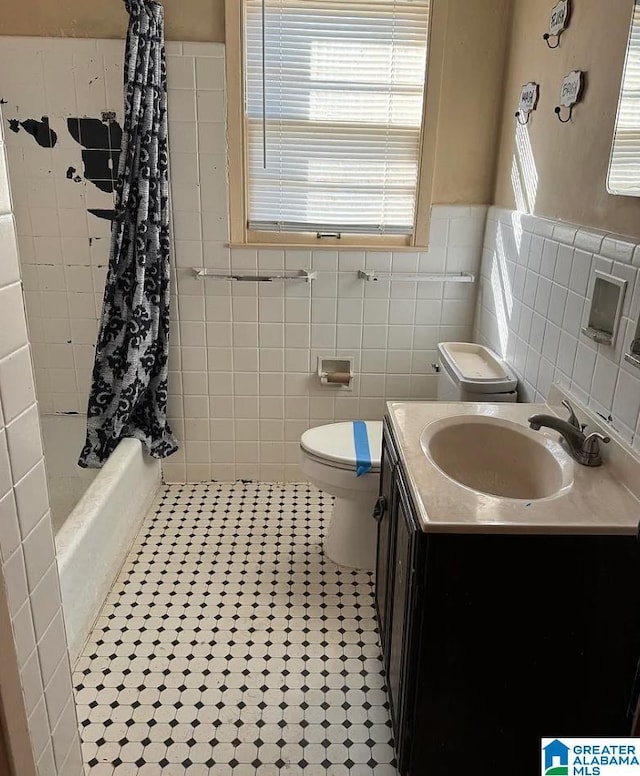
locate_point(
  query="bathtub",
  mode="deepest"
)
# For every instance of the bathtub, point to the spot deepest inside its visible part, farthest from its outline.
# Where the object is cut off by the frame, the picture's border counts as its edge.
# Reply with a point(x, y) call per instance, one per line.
point(96, 515)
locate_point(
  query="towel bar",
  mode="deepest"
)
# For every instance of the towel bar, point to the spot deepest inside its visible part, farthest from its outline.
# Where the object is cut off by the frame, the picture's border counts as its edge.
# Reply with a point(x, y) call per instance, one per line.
point(255, 277)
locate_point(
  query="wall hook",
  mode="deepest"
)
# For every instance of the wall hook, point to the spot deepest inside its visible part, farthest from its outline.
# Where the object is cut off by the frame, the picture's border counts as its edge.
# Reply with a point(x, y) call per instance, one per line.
point(547, 37)
point(528, 102)
point(557, 23)
point(570, 95)
point(558, 111)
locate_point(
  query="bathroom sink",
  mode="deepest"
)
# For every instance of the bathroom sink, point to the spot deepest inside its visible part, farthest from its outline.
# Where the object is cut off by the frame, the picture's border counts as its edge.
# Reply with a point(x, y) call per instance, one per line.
point(497, 457)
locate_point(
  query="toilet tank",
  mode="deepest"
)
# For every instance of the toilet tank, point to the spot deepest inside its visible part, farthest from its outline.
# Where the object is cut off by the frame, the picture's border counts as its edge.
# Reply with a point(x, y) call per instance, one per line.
point(471, 372)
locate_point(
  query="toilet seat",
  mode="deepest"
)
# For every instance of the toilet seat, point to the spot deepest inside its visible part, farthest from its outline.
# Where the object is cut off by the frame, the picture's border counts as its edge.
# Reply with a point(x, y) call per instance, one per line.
point(333, 445)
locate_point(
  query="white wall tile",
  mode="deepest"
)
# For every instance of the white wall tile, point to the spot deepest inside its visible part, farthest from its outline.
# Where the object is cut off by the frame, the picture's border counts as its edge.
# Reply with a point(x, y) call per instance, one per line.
point(13, 327)
point(64, 733)
point(39, 727)
point(596, 374)
point(626, 405)
point(38, 550)
point(31, 498)
point(226, 332)
point(24, 443)
point(24, 552)
point(9, 526)
point(9, 269)
point(15, 579)
point(52, 647)
point(31, 682)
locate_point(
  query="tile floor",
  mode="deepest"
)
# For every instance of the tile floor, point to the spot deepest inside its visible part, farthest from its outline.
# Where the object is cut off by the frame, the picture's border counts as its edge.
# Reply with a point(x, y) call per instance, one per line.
point(229, 646)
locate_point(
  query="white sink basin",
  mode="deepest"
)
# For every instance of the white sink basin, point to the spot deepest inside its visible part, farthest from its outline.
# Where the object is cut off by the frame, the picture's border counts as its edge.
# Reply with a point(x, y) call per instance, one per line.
point(497, 457)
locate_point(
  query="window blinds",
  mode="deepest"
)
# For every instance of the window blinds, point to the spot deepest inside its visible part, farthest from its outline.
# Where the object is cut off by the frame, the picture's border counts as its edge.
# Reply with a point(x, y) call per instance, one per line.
point(624, 167)
point(333, 111)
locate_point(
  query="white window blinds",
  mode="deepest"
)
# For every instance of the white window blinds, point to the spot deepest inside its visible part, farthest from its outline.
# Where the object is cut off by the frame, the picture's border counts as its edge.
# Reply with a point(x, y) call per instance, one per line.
point(333, 99)
point(624, 167)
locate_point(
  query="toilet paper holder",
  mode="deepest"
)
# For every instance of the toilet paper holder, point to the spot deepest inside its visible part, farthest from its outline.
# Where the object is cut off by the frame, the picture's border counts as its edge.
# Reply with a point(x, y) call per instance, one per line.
point(336, 373)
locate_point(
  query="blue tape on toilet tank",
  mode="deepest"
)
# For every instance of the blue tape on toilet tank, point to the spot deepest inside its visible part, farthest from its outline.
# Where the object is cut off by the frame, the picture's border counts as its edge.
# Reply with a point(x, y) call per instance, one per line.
point(363, 453)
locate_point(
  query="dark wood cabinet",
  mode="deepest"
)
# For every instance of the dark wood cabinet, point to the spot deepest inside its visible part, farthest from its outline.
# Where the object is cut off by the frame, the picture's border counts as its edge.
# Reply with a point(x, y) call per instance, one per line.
point(493, 641)
point(383, 514)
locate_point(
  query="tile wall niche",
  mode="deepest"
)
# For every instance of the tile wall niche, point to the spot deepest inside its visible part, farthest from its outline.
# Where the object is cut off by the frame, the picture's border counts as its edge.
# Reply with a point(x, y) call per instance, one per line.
point(28, 570)
point(243, 356)
point(535, 288)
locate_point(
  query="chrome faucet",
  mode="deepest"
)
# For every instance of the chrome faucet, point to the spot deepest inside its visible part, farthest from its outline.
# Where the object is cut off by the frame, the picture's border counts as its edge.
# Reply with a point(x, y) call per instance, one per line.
point(585, 449)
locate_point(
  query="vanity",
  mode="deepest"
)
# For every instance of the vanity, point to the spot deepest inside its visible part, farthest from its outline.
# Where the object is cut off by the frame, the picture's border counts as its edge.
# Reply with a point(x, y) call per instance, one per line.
point(509, 615)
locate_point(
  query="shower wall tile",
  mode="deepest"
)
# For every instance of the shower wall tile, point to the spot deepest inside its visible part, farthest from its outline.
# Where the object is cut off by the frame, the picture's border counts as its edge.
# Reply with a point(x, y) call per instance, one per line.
point(533, 298)
point(243, 356)
point(28, 570)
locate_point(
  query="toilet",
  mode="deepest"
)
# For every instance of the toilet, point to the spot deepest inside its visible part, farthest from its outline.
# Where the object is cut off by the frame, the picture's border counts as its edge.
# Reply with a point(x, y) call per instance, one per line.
point(328, 460)
point(467, 372)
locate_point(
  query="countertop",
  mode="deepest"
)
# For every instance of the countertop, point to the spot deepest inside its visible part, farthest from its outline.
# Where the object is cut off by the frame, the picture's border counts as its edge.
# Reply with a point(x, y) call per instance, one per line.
point(600, 500)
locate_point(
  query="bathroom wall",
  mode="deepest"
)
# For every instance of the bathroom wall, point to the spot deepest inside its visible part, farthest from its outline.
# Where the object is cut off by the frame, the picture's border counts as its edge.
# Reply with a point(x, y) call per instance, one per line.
point(534, 294)
point(471, 35)
point(28, 571)
point(240, 353)
point(243, 387)
point(475, 39)
point(559, 170)
point(185, 19)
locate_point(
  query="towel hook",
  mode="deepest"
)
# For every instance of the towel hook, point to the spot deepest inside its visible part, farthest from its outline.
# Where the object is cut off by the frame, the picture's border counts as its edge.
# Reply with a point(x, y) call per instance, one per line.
point(558, 110)
point(529, 95)
point(557, 23)
point(571, 92)
point(547, 37)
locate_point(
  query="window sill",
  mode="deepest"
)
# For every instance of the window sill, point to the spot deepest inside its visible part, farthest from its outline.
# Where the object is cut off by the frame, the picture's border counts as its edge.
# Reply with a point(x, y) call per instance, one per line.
point(325, 246)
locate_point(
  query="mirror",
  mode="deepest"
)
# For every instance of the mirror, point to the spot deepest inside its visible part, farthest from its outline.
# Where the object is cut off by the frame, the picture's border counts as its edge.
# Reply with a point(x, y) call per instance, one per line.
point(624, 164)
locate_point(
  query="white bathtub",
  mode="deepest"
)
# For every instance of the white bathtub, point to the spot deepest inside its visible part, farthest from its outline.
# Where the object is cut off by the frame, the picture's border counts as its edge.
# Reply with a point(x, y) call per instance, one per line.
point(107, 507)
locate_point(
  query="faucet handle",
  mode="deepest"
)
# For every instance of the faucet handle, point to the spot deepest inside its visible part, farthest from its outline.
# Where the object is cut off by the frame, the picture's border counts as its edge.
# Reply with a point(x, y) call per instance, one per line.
point(573, 419)
point(591, 443)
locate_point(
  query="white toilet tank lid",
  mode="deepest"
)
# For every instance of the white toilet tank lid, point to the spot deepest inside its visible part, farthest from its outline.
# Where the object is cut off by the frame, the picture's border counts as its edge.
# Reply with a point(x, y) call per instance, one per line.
point(335, 443)
point(476, 367)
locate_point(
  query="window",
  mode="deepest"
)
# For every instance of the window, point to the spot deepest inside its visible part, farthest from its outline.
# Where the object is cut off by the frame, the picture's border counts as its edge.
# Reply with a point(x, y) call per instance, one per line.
point(332, 120)
point(624, 166)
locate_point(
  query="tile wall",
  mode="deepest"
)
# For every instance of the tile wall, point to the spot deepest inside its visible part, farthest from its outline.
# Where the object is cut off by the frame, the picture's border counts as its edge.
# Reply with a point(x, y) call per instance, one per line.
point(243, 356)
point(536, 284)
point(27, 555)
point(64, 248)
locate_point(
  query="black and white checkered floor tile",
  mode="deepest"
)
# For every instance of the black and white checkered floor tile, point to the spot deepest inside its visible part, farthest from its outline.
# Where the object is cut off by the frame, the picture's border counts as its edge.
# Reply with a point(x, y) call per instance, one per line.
point(229, 646)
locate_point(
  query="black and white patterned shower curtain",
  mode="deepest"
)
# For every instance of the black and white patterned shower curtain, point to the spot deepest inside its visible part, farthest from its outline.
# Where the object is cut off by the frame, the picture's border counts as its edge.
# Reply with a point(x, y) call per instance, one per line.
point(129, 385)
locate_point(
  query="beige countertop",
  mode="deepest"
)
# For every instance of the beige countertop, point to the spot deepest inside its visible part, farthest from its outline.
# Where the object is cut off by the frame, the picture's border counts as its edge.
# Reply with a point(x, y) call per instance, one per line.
point(600, 500)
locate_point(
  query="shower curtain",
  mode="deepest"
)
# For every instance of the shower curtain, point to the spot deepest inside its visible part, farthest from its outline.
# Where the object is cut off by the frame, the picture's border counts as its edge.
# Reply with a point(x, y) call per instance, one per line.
point(128, 395)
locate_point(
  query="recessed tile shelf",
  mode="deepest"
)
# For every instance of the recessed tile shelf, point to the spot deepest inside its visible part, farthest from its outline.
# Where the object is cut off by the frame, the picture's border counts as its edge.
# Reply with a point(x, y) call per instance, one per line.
point(605, 309)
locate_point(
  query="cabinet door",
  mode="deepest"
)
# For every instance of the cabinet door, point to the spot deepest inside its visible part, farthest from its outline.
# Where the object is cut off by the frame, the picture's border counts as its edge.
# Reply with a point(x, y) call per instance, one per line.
point(403, 620)
point(384, 558)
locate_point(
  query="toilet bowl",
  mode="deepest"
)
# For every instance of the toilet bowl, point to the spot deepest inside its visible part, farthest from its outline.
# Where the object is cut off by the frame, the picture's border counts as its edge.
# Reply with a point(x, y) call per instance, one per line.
point(328, 460)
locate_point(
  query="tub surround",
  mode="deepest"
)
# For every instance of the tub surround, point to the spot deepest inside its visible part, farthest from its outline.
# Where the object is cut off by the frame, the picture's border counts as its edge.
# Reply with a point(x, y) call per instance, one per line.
point(602, 500)
point(63, 437)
